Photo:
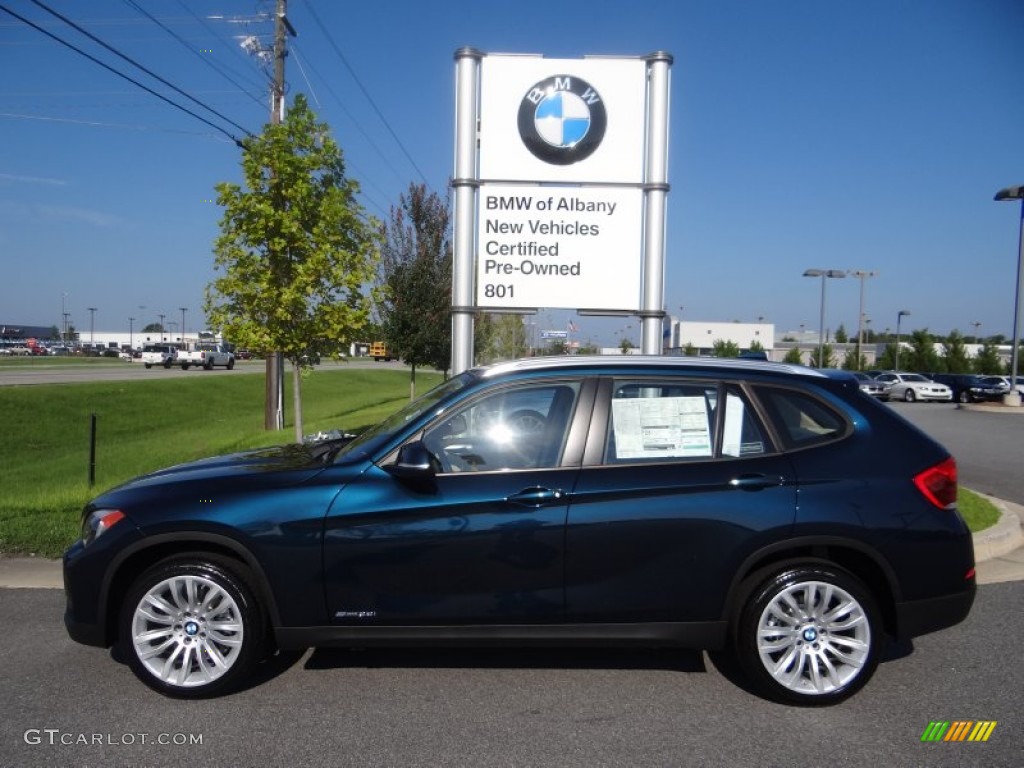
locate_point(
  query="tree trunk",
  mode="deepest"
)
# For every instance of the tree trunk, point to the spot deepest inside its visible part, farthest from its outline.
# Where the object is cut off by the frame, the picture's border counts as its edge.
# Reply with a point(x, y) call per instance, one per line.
point(412, 382)
point(297, 399)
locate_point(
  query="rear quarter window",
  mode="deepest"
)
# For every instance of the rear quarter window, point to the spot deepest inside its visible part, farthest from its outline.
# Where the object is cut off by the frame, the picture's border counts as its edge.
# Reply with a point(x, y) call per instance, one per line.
point(800, 419)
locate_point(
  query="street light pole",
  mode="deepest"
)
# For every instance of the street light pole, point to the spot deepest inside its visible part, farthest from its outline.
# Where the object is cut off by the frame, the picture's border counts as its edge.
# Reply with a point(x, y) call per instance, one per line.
point(161, 326)
point(899, 316)
point(183, 311)
point(823, 273)
point(1015, 193)
point(92, 317)
point(131, 338)
point(862, 275)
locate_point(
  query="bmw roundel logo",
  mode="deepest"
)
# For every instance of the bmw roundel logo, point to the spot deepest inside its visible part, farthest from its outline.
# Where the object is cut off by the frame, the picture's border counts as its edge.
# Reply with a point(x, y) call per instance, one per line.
point(562, 120)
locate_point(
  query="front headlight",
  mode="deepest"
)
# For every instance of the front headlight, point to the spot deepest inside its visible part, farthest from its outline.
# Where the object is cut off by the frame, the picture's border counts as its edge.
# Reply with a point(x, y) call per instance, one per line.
point(98, 522)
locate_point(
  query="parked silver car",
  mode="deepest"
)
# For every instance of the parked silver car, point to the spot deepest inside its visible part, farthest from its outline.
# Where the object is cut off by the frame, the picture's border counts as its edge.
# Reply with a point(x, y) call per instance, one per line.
point(912, 386)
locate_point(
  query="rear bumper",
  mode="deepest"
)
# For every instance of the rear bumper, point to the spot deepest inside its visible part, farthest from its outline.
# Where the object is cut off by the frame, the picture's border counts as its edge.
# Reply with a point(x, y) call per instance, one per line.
point(919, 617)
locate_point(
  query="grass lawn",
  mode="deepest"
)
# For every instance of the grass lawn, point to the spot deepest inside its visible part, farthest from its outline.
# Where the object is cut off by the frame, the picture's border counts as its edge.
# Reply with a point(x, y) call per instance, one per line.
point(145, 425)
point(977, 511)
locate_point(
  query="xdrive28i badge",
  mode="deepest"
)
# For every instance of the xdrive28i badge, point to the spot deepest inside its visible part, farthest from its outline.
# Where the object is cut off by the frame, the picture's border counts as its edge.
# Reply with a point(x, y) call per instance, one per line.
point(562, 119)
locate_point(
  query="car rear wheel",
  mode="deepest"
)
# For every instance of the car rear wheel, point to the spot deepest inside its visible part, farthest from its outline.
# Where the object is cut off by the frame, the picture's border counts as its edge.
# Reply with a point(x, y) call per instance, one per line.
point(808, 635)
point(191, 626)
point(909, 396)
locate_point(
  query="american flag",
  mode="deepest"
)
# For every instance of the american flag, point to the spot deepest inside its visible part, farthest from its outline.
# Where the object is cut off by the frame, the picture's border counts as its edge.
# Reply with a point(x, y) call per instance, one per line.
point(572, 327)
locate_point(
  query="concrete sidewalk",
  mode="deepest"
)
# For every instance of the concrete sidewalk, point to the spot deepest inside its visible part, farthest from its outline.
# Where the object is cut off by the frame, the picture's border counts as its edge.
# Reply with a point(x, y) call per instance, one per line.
point(999, 552)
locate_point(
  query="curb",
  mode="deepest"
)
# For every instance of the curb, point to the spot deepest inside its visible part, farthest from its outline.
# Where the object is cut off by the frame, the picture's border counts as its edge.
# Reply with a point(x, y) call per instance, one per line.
point(1003, 537)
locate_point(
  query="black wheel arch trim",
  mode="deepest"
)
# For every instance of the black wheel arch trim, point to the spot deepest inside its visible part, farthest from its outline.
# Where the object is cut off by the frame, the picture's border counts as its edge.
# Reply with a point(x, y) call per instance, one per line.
point(814, 550)
point(221, 541)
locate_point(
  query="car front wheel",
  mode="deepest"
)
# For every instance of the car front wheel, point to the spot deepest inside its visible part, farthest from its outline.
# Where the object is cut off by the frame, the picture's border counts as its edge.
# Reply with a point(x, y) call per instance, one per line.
point(191, 626)
point(909, 396)
point(809, 635)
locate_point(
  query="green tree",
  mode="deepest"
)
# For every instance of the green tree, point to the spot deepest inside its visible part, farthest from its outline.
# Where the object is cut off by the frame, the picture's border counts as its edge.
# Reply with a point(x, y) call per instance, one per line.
point(793, 356)
point(887, 360)
point(756, 346)
point(987, 361)
point(827, 360)
point(1020, 360)
point(922, 356)
point(854, 362)
point(955, 358)
point(295, 248)
point(415, 277)
point(625, 345)
point(841, 335)
point(689, 350)
point(153, 328)
point(723, 348)
point(506, 341)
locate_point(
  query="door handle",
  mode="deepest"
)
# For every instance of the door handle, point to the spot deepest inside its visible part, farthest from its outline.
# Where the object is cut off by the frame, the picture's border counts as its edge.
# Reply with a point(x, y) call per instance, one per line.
point(756, 482)
point(536, 497)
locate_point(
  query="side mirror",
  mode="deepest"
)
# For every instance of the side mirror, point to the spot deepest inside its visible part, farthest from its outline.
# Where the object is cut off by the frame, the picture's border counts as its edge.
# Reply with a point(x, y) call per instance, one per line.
point(414, 462)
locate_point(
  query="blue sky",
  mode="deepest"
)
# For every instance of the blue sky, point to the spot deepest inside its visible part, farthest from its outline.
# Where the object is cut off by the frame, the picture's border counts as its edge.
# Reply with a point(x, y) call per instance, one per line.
point(804, 134)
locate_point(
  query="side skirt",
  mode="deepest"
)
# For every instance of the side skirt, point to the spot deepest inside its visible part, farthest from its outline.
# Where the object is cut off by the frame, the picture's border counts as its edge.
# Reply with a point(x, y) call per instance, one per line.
point(709, 635)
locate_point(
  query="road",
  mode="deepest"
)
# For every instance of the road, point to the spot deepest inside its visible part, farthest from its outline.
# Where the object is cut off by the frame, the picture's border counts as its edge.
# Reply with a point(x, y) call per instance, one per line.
point(23, 375)
point(505, 707)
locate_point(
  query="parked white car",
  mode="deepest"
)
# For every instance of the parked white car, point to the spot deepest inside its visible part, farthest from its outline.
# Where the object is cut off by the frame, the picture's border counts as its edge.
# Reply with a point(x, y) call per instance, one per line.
point(913, 386)
point(1006, 381)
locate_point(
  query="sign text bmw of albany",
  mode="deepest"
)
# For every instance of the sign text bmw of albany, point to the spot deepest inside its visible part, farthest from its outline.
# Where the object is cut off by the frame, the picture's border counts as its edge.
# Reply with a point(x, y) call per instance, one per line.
point(551, 246)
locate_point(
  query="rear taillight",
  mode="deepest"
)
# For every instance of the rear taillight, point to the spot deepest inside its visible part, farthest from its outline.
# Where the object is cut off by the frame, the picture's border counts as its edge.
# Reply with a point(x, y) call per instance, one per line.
point(938, 484)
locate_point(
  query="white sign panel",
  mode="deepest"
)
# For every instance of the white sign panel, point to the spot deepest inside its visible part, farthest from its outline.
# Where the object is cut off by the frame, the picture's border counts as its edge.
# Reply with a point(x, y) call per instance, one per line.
point(562, 120)
point(559, 247)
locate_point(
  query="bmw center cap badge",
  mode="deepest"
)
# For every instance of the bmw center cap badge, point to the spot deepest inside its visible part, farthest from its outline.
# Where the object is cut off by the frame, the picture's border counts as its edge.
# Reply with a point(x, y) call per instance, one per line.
point(562, 120)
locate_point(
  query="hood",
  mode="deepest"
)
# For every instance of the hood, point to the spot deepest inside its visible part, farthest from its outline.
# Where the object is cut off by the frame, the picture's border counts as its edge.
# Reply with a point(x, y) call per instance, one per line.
point(278, 466)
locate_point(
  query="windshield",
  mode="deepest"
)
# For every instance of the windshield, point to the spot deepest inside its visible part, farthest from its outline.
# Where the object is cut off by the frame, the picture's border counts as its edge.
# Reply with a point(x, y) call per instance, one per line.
point(913, 377)
point(374, 436)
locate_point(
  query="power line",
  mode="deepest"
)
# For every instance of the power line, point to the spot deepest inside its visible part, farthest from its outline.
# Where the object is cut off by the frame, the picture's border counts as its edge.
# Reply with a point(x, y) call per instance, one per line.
point(134, 63)
point(359, 127)
point(227, 43)
point(191, 49)
point(366, 93)
point(99, 124)
point(131, 80)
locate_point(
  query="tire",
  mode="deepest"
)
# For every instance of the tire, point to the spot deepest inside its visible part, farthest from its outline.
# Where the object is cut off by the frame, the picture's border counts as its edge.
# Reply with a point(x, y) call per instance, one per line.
point(148, 365)
point(964, 396)
point(231, 363)
point(909, 396)
point(208, 365)
point(808, 635)
point(167, 365)
point(184, 366)
point(191, 627)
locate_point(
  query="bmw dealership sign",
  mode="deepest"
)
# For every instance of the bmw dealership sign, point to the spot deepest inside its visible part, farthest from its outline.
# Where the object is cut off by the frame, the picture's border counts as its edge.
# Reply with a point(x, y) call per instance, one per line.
point(560, 185)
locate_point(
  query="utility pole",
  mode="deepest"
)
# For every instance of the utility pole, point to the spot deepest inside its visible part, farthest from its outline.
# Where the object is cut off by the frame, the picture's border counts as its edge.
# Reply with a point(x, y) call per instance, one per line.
point(274, 401)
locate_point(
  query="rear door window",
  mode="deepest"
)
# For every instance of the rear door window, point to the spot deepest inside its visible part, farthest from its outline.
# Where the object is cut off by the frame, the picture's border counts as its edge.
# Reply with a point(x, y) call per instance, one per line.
point(673, 421)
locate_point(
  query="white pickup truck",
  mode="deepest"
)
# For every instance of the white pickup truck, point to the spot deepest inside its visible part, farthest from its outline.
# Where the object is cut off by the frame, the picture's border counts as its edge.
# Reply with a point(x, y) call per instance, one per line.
point(159, 354)
point(206, 356)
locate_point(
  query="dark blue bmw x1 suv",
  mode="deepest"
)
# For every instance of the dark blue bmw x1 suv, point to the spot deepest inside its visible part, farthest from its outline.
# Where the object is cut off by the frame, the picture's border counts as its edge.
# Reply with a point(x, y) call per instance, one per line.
point(769, 510)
